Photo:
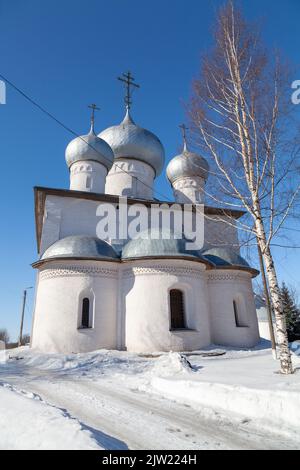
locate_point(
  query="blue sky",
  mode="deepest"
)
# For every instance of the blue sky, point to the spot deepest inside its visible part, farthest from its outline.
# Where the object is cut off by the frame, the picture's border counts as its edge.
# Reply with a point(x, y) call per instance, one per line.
point(66, 54)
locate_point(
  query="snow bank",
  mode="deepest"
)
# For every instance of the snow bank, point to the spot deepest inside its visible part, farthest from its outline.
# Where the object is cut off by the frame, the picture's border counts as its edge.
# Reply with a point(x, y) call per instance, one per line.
point(171, 364)
point(272, 408)
point(29, 423)
point(241, 383)
point(92, 364)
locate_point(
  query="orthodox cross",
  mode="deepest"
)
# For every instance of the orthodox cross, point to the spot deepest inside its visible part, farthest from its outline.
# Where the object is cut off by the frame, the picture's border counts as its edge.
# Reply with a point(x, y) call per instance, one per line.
point(128, 79)
point(183, 130)
point(94, 108)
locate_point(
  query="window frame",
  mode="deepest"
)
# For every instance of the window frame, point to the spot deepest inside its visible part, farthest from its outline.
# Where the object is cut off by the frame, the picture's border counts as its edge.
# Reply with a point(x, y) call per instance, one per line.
point(85, 311)
point(184, 326)
point(238, 315)
point(86, 295)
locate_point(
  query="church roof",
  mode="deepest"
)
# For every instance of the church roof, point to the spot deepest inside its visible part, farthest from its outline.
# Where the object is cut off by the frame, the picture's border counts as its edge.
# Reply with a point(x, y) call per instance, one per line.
point(162, 244)
point(80, 246)
point(158, 244)
point(128, 140)
point(224, 256)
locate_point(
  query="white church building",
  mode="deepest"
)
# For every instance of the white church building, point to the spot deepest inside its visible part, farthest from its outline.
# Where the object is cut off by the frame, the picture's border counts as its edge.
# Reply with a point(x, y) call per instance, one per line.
point(145, 294)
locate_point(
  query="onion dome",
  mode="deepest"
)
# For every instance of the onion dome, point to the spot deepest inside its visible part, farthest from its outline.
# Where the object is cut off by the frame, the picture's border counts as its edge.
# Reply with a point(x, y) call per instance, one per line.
point(159, 243)
point(80, 246)
point(89, 147)
point(187, 164)
point(128, 140)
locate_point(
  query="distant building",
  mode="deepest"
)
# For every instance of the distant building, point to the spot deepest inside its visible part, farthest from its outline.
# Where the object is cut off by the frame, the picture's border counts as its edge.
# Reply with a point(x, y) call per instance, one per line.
point(262, 317)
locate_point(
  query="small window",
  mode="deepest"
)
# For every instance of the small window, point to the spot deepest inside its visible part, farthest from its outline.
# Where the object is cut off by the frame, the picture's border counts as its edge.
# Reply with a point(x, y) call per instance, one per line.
point(88, 182)
point(85, 319)
point(238, 320)
point(177, 310)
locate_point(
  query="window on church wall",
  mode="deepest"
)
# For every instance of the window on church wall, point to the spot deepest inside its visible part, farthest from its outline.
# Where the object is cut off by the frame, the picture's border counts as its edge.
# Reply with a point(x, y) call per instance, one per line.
point(85, 313)
point(88, 183)
point(239, 321)
point(177, 310)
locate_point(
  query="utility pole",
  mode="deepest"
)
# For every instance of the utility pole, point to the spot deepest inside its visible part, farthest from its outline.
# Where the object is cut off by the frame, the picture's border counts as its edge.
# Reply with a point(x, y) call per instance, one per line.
point(268, 301)
point(22, 315)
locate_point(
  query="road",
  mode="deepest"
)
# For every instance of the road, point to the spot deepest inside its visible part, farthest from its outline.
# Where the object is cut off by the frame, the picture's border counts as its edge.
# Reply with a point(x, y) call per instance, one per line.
point(121, 416)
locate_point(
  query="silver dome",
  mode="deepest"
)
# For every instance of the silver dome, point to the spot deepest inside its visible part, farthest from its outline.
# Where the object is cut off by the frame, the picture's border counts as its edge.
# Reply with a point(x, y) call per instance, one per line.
point(80, 246)
point(89, 147)
point(128, 140)
point(158, 243)
point(187, 164)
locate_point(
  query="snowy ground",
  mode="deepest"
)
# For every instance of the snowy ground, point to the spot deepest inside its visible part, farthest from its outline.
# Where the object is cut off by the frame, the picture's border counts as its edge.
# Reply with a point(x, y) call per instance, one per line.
point(117, 400)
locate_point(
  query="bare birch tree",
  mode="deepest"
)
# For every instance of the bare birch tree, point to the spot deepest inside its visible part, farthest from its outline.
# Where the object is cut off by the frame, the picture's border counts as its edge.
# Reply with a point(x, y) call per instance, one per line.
point(241, 118)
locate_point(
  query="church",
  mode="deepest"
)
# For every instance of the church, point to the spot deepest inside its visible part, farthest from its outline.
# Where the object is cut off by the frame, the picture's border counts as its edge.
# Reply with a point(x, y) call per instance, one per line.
point(144, 294)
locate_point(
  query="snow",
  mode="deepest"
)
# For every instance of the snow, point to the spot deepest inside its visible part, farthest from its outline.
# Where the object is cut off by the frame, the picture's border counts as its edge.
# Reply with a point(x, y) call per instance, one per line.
point(27, 422)
point(213, 399)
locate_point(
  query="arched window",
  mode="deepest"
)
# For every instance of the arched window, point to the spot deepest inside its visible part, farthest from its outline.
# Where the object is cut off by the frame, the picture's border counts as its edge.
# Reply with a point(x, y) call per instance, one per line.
point(177, 309)
point(239, 321)
point(88, 183)
point(236, 315)
point(85, 318)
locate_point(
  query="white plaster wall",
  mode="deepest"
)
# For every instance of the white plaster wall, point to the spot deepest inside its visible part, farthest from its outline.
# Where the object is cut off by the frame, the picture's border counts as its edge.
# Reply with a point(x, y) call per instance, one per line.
point(61, 288)
point(145, 305)
point(70, 216)
point(122, 179)
point(65, 216)
point(224, 287)
point(131, 308)
point(189, 190)
point(51, 222)
point(88, 176)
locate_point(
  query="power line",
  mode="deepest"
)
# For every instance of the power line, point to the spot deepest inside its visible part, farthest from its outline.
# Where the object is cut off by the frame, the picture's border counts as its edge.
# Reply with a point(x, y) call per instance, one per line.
point(67, 128)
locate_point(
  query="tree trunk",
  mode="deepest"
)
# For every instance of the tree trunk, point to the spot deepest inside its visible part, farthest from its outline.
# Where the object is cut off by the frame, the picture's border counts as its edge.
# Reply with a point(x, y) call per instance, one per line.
point(286, 366)
point(268, 300)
